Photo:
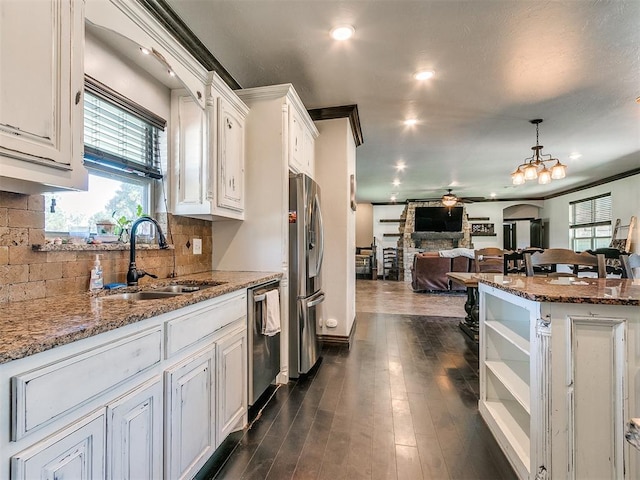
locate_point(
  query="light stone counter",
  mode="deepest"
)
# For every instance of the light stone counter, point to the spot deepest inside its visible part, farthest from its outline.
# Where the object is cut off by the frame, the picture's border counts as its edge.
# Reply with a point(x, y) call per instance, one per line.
point(34, 326)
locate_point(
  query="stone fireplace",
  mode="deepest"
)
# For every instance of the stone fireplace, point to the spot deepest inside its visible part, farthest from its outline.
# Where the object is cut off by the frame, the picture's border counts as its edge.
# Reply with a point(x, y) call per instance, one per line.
point(412, 242)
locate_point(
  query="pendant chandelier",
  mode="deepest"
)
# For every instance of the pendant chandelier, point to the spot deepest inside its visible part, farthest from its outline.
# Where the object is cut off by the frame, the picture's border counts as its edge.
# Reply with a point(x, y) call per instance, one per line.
point(534, 166)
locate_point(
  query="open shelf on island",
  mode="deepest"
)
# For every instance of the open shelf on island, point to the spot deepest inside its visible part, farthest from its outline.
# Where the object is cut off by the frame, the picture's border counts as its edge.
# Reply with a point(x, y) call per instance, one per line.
point(509, 419)
point(514, 375)
point(515, 331)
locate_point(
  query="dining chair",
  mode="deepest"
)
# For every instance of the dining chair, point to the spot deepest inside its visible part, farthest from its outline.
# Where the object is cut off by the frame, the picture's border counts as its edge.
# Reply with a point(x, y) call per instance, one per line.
point(489, 260)
point(613, 261)
point(564, 256)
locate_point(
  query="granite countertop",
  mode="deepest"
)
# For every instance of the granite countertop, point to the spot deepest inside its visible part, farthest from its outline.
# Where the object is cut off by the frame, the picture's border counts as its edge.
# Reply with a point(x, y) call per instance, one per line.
point(33, 326)
point(603, 291)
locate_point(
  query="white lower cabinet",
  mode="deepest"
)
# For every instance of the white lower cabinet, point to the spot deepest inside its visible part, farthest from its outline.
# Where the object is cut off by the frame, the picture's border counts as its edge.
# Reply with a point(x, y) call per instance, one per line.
point(231, 387)
point(134, 434)
point(190, 432)
point(558, 385)
point(76, 452)
point(146, 401)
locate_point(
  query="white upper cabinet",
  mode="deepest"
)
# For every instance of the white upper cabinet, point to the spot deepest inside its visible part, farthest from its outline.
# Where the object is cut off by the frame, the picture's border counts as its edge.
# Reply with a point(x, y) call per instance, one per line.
point(41, 84)
point(301, 143)
point(208, 153)
point(230, 169)
point(190, 174)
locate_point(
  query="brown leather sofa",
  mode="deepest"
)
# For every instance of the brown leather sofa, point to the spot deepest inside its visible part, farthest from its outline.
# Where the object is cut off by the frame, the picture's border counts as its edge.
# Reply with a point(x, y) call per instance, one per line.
point(429, 271)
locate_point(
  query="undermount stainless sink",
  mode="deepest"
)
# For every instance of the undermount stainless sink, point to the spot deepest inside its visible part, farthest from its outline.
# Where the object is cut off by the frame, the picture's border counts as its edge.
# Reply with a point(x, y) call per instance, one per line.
point(146, 295)
point(168, 291)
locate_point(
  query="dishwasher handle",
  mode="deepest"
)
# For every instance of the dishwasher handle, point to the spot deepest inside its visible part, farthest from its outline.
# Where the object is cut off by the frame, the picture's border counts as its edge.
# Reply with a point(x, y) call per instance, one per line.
point(261, 297)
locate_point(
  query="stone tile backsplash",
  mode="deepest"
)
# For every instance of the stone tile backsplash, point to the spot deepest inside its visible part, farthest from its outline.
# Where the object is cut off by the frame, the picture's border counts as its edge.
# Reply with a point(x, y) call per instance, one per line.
point(27, 274)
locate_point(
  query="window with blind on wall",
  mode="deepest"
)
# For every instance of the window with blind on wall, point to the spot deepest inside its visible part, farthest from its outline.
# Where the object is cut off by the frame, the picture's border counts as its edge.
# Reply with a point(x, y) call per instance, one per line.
point(590, 222)
point(122, 149)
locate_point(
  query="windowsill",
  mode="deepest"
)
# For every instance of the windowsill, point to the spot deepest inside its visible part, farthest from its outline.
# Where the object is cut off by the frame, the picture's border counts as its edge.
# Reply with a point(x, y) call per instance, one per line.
point(94, 247)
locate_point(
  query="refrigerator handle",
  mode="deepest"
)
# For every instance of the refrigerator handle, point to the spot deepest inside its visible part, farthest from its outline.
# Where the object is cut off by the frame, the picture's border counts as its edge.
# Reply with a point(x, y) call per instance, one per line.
point(320, 234)
point(316, 301)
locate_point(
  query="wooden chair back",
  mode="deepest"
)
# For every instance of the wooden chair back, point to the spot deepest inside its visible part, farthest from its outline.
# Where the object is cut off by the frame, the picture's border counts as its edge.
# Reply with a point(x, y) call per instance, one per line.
point(564, 256)
point(489, 260)
point(613, 260)
point(513, 263)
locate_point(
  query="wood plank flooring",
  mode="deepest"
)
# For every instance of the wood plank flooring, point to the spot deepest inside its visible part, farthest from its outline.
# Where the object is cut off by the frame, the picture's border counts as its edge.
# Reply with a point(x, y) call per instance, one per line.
point(401, 404)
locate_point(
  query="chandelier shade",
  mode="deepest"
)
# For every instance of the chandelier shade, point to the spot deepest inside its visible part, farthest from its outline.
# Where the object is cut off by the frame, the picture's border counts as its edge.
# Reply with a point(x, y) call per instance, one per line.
point(534, 167)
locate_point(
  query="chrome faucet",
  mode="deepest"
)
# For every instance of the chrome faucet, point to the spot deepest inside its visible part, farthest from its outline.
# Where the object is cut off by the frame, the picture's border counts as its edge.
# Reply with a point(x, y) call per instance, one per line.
point(134, 274)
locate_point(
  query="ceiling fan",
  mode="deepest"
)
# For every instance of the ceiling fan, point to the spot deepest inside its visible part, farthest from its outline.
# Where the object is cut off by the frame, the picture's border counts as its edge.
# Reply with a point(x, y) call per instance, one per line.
point(450, 199)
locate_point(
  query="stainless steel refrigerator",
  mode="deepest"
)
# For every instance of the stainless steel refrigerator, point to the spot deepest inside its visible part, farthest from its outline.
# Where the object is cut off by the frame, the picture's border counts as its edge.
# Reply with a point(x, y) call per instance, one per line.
point(306, 247)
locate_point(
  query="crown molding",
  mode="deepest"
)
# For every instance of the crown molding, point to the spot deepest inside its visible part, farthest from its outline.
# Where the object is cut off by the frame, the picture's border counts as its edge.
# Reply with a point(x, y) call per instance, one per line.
point(343, 111)
point(170, 20)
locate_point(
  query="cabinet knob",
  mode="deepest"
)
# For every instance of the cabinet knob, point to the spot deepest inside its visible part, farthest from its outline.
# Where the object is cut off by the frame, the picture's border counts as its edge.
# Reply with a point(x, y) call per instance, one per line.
point(199, 95)
point(78, 96)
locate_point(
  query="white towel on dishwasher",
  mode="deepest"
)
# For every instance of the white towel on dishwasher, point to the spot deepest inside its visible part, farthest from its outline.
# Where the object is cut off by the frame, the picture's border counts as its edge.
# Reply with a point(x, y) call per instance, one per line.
point(271, 313)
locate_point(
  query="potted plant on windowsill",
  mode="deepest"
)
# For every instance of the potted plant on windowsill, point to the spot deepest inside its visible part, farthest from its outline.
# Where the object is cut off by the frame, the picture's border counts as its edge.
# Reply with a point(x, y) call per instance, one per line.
point(124, 224)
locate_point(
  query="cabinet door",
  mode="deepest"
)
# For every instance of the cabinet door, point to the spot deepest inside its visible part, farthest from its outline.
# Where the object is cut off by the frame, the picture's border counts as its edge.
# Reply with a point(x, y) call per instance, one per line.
point(134, 434)
point(41, 85)
point(296, 142)
point(190, 432)
point(190, 173)
point(230, 157)
point(232, 382)
point(309, 153)
point(76, 452)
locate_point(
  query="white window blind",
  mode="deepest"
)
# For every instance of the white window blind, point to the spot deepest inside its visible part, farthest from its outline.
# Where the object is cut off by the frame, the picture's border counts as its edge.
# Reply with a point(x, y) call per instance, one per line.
point(120, 135)
point(591, 211)
point(590, 223)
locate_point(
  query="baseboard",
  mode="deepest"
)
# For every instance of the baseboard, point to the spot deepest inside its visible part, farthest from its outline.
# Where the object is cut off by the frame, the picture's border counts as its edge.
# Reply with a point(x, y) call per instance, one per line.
point(340, 340)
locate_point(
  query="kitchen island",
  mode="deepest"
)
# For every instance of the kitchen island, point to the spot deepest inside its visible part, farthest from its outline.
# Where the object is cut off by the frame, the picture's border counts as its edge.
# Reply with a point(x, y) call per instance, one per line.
point(559, 373)
point(102, 386)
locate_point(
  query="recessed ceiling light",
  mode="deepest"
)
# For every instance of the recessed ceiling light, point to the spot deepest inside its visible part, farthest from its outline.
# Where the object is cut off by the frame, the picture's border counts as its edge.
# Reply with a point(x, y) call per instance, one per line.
point(575, 156)
point(393, 198)
point(342, 32)
point(410, 122)
point(396, 182)
point(493, 194)
point(400, 166)
point(424, 74)
point(146, 51)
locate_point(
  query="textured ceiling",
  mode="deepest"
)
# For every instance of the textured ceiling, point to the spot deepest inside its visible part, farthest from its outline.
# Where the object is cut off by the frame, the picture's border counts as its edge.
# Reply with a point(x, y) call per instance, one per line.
point(498, 64)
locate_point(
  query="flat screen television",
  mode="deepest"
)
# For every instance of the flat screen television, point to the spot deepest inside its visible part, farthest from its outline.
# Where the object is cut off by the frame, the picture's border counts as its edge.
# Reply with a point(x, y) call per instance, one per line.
point(439, 219)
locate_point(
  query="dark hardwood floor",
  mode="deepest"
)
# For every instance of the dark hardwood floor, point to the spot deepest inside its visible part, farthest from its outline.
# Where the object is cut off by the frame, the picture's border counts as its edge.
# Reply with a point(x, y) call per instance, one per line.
point(401, 404)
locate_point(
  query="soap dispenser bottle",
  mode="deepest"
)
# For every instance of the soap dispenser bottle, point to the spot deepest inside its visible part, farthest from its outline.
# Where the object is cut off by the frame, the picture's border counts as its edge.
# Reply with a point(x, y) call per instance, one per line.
point(96, 282)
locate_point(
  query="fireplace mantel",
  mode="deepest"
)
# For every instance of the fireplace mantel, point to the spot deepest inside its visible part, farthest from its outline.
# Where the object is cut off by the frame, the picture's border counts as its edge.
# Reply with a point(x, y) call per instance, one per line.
point(437, 235)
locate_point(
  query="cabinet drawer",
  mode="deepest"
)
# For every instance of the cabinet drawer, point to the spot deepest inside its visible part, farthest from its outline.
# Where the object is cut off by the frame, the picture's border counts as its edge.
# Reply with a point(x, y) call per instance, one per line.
point(41, 395)
point(190, 328)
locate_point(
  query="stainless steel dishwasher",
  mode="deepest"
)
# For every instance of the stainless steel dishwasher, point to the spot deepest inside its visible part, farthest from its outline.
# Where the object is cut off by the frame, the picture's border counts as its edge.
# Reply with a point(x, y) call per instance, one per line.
point(263, 351)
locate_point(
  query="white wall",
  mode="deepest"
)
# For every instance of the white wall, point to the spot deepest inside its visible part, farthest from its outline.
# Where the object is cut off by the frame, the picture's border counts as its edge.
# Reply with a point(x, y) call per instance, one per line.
point(334, 163)
point(625, 198)
point(364, 225)
point(495, 211)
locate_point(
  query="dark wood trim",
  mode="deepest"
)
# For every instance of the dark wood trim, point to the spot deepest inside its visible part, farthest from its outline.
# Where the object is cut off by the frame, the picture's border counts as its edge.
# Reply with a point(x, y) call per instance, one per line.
point(393, 220)
point(483, 234)
point(170, 20)
point(597, 183)
point(339, 340)
point(472, 219)
point(391, 234)
point(343, 111)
